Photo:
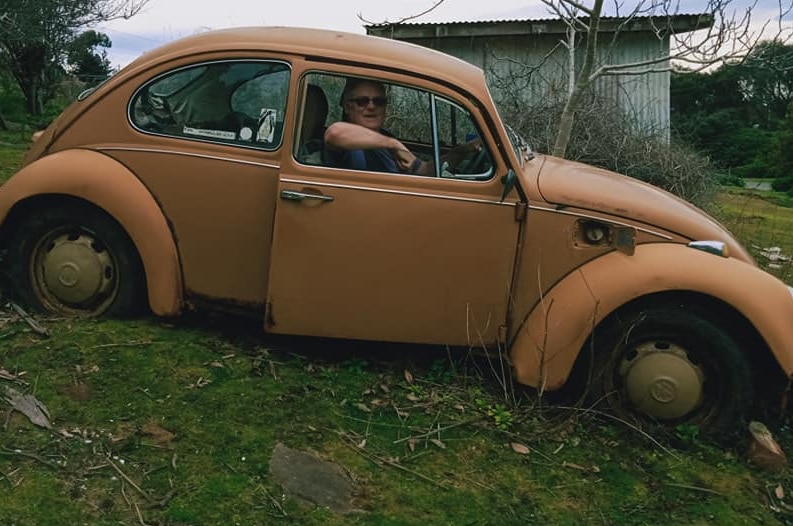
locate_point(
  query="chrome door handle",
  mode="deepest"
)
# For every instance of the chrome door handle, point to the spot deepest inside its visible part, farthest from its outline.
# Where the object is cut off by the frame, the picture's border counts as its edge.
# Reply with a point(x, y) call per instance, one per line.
point(291, 195)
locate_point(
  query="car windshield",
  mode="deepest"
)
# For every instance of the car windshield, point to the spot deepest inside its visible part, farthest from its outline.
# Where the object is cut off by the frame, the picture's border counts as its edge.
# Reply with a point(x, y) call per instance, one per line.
point(520, 145)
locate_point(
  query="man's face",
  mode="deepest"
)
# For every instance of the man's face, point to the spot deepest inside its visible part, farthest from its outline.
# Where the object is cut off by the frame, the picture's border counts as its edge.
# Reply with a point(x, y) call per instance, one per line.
point(365, 105)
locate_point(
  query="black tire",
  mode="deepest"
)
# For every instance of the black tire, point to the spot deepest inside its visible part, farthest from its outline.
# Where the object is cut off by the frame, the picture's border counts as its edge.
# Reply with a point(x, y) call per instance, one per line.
point(649, 365)
point(75, 260)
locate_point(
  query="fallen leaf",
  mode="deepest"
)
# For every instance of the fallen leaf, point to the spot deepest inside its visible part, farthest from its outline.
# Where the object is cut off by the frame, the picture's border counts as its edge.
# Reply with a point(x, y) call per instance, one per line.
point(408, 377)
point(377, 402)
point(779, 492)
point(384, 388)
point(519, 448)
point(29, 406)
point(412, 444)
point(158, 433)
point(217, 365)
point(362, 444)
point(764, 450)
point(438, 443)
point(412, 397)
point(363, 407)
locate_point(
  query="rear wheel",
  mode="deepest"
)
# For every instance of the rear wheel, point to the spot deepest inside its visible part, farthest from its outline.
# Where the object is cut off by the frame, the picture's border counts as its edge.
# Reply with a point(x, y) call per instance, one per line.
point(671, 366)
point(77, 261)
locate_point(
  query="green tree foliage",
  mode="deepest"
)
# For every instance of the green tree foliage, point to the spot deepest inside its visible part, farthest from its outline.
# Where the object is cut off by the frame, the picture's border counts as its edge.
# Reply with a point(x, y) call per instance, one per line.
point(36, 37)
point(736, 114)
point(12, 102)
point(87, 58)
point(767, 82)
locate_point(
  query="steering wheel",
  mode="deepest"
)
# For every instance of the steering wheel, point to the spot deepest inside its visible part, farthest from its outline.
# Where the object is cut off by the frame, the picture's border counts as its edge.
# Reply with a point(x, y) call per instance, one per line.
point(477, 164)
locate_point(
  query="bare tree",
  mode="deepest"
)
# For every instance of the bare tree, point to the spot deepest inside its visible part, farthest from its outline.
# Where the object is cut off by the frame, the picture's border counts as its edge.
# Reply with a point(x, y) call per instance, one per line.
point(35, 36)
point(729, 36)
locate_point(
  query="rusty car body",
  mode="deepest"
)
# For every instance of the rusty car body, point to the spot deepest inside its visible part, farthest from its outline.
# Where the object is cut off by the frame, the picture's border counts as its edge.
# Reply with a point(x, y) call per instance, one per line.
point(180, 183)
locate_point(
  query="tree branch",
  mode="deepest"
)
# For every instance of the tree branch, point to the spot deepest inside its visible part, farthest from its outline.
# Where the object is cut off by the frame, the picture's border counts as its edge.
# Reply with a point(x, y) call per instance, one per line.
point(402, 20)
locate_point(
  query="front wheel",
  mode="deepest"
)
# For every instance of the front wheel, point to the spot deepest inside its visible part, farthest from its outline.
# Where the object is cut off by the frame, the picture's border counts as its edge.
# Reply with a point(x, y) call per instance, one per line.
point(671, 366)
point(76, 261)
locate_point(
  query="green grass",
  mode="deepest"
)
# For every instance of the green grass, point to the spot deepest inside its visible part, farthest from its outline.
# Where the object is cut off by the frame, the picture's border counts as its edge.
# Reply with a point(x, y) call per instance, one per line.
point(227, 398)
point(12, 147)
point(759, 222)
point(166, 423)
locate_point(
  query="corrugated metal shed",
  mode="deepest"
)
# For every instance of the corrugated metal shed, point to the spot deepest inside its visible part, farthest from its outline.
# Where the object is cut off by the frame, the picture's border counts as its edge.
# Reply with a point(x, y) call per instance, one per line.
point(524, 60)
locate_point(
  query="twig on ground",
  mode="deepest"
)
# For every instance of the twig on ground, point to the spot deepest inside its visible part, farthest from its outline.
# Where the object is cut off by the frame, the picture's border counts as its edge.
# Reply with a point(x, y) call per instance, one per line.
point(5, 375)
point(124, 494)
point(34, 456)
point(140, 517)
point(438, 430)
point(380, 461)
point(35, 325)
point(625, 423)
point(128, 480)
point(163, 502)
point(140, 343)
point(276, 504)
point(693, 488)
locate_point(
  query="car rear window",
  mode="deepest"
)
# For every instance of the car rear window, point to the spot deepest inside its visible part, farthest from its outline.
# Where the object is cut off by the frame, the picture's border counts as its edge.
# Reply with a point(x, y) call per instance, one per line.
point(236, 102)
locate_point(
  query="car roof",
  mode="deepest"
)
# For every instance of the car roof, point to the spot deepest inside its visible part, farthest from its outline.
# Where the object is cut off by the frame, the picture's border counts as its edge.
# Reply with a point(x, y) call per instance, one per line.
point(326, 44)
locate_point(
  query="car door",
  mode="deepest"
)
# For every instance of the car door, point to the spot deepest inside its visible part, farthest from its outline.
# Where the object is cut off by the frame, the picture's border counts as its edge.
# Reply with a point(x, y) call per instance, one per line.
point(393, 257)
point(207, 143)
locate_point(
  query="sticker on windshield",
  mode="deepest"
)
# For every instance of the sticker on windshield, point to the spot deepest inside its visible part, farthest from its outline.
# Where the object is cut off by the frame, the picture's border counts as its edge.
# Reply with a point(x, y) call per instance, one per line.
point(214, 134)
point(267, 118)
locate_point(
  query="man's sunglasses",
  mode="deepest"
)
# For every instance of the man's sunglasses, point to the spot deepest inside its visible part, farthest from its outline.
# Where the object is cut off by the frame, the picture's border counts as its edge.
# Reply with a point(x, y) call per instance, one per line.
point(363, 102)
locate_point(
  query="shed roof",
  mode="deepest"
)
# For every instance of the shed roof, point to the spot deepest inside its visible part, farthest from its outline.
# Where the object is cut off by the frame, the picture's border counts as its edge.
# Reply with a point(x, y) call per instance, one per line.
point(536, 26)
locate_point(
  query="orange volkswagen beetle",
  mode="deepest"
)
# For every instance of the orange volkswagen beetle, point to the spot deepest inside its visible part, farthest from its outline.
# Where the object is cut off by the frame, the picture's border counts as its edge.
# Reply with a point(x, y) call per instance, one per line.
point(198, 176)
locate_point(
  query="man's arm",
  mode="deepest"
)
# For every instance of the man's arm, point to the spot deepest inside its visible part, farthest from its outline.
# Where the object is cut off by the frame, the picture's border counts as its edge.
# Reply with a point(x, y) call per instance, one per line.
point(349, 136)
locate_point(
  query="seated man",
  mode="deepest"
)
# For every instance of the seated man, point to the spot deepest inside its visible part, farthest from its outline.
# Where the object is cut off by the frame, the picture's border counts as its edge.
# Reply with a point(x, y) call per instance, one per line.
point(359, 141)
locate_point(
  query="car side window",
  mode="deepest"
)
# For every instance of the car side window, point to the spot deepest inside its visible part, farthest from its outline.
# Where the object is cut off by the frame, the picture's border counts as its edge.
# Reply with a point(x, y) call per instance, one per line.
point(235, 102)
point(440, 134)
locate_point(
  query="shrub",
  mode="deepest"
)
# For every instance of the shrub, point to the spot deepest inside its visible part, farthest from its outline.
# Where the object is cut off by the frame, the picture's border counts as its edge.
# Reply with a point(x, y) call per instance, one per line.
point(604, 136)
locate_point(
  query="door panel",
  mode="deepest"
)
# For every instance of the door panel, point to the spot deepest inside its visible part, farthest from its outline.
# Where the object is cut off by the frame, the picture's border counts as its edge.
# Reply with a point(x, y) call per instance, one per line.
point(395, 263)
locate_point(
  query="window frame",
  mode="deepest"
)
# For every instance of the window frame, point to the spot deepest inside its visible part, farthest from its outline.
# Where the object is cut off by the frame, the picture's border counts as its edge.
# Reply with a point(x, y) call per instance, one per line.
point(236, 144)
point(434, 98)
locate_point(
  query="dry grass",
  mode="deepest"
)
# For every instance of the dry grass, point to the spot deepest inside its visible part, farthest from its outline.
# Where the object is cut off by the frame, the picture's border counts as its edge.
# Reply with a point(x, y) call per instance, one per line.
point(759, 223)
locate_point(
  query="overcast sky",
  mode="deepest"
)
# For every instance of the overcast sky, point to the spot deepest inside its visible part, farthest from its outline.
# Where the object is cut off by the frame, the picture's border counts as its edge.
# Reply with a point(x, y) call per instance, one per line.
point(166, 20)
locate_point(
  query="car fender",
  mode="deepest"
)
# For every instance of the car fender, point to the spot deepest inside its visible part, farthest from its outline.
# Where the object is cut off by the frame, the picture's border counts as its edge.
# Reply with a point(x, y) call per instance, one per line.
point(108, 184)
point(547, 345)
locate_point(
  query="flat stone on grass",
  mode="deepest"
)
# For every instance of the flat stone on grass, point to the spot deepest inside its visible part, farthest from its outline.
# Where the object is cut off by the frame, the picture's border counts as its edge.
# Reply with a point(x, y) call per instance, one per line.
point(307, 477)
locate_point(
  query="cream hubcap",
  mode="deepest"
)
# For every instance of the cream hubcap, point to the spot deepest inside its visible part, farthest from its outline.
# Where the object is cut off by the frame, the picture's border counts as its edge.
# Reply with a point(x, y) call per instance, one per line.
point(76, 271)
point(661, 381)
